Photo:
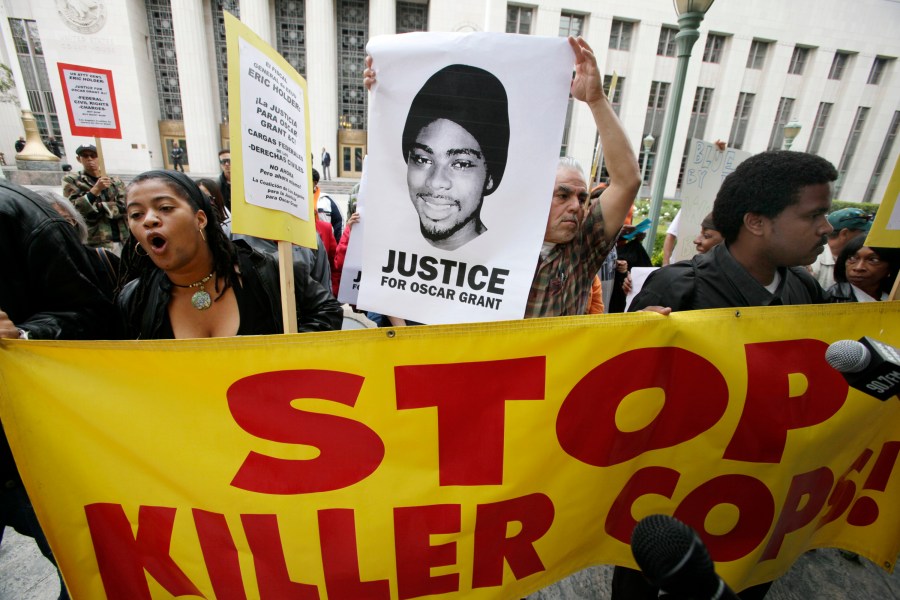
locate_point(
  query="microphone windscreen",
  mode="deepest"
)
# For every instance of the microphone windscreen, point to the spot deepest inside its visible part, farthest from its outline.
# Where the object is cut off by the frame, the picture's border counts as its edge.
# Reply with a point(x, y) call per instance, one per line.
point(672, 557)
point(848, 356)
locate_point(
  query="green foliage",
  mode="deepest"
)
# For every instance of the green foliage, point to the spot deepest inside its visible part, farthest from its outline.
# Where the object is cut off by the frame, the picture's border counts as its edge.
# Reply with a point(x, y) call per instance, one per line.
point(657, 255)
point(7, 86)
point(666, 213)
point(868, 207)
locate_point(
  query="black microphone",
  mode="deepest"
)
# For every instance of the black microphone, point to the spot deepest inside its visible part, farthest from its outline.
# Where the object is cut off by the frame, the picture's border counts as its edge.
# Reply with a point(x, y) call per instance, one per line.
point(868, 365)
point(674, 559)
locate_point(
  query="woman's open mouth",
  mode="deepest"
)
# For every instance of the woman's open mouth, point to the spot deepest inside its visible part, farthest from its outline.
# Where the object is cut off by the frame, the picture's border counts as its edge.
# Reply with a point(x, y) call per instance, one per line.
point(157, 242)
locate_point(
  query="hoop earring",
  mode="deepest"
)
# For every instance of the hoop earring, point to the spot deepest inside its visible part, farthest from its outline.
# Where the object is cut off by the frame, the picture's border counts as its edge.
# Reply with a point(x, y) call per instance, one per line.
point(202, 234)
point(138, 248)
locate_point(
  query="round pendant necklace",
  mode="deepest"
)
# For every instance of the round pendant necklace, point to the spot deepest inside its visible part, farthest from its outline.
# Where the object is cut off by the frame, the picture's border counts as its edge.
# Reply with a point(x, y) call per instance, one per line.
point(201, 299)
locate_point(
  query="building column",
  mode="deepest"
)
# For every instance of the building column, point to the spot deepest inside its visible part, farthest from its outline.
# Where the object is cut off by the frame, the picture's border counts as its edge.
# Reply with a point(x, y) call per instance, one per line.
point(382, 17)
point(321, 77)
point(257, 15)
point(195, 78)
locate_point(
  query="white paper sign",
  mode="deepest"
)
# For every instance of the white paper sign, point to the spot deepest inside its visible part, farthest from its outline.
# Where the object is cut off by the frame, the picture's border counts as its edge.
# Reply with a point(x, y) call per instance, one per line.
point(348, 292)
point(90, 99)
point(639, 276)
point(706, 168)
point(273, 135)
point(464, 137)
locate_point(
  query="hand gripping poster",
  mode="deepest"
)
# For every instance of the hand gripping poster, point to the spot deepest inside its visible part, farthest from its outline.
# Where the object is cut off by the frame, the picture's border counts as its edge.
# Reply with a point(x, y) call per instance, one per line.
point(464, 137)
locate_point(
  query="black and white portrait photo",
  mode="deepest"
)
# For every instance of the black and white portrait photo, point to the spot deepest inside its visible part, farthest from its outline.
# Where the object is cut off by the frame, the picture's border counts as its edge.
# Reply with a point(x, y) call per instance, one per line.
point(455, 143)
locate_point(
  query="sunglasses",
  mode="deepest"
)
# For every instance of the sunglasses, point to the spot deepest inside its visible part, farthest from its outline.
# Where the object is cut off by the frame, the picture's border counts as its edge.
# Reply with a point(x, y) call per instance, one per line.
point(225, 161)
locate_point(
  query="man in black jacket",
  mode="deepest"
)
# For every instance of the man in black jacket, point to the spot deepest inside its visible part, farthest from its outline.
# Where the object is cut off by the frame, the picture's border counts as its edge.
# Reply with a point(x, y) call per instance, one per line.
point(772, 213)
point(47, 291)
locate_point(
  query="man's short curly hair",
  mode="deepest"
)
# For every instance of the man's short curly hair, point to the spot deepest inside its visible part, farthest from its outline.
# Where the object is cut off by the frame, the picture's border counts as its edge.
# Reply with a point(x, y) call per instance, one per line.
point(766, 184)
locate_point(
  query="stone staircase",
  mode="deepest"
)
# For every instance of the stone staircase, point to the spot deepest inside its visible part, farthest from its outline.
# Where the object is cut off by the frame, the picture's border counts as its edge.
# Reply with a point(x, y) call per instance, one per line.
point(338, 186)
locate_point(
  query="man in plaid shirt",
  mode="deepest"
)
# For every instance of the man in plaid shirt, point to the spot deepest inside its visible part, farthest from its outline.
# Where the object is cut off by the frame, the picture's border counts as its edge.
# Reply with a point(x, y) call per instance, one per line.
point(579, 235)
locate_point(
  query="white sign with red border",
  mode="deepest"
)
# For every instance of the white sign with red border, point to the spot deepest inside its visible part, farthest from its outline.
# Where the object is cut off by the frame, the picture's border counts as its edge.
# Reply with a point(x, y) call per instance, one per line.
point(90, 101)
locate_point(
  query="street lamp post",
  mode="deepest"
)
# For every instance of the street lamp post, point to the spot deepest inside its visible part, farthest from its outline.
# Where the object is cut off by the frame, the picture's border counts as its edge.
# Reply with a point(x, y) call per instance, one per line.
point(790, 132)
point(690, 14)
point(648, 143)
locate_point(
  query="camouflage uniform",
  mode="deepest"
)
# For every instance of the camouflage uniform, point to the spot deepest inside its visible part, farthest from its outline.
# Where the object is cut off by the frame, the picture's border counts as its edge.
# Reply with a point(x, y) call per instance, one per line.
point(104, 214)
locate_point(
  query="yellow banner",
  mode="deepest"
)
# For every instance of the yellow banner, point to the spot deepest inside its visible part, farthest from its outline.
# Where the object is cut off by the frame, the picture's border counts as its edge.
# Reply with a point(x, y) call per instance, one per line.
point(480, 461)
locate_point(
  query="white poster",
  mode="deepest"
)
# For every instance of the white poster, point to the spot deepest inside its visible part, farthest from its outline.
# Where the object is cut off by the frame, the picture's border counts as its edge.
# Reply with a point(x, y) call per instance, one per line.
point(348, 292)
point(706, 168)
point(91, 101)
point(273, 135)
point(464, 138)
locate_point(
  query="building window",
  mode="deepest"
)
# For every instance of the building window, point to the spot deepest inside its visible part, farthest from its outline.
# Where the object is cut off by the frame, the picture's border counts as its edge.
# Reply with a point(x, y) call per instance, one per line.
point(838, 65)
point(666, 45)
point(850, 147)
point(37, 82)
point(165, 61)
point(782, 117)
point(620, 35)
point(818, 131)
point(615, 99)
point(564, 147)
point(353, 33)
point(697, 126)
point(412, 16)
point(886, 148)
point(741, 120)
point(653, 123)
point(714, 46)
point(571, 24)
point(519, 19)
point(290, 22)
point(218, 6)
point(757, 57)
point(798, 60)
point(878, 66)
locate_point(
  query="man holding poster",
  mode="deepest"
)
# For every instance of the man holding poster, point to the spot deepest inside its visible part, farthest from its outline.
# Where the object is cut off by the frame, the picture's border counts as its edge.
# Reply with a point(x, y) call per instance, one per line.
point(457, 146)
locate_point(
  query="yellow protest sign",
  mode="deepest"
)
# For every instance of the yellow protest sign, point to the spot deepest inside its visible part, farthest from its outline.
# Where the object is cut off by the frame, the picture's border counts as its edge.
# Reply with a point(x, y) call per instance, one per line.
point(268, 109)
point(476, 461)
point(885, 230)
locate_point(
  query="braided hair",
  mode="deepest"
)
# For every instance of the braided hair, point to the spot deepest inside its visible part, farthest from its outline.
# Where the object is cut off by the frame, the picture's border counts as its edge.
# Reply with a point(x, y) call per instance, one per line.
point(135, 266)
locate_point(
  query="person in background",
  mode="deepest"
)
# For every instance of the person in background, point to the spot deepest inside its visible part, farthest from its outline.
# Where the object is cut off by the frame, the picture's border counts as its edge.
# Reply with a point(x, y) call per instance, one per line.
point(864, 273)
point(225, 177)
point(20, 144)
point(211, 189)
point(53, 146)
point(186, 279)
point(671, 239)
point(848, 224)
point(100, 199)
point(708, 237)
point(177, 156)
point(326, 164)
point(337, 220)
